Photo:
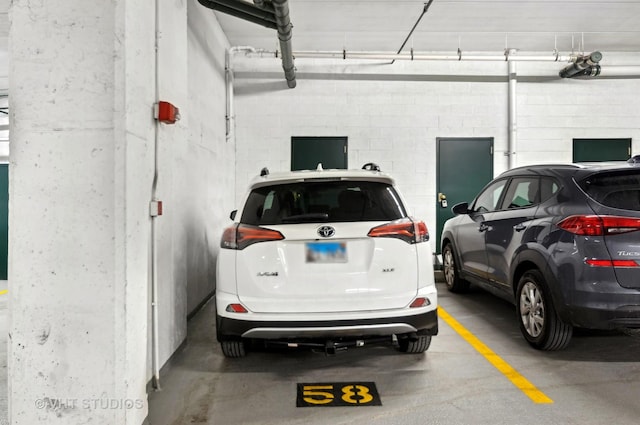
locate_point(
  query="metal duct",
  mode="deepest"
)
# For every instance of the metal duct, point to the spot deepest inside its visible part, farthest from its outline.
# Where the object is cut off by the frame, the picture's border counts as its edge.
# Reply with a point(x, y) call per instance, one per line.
point(281, 8)
point(272, 14)
point(243, 10)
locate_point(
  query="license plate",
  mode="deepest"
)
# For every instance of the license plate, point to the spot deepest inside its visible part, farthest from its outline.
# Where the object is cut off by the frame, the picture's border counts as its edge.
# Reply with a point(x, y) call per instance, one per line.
point(326, 252)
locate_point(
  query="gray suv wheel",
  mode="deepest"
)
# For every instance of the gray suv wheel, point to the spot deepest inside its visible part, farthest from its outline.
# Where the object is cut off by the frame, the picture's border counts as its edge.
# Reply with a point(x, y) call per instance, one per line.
point(539, 322)
point(449, 267)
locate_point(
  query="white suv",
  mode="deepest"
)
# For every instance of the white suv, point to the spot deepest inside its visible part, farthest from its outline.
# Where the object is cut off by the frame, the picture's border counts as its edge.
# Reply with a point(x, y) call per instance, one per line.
point(327, 259)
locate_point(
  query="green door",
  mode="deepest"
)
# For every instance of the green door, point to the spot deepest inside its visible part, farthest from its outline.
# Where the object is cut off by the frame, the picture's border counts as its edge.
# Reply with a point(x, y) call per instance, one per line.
point(4, 219)
point(308, 152)
point(464, 167)
point(596, 150)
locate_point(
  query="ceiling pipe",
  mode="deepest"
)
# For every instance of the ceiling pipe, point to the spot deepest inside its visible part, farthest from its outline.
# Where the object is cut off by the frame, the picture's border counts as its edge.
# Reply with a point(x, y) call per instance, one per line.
point(281, 8)
point(243, 10)
point(411, 56)
point(620, 71)
point(610, 71)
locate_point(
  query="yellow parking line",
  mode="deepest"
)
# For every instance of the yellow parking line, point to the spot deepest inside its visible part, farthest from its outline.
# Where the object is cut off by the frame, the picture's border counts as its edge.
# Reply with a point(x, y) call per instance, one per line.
point(4, 291)
point(513, 375)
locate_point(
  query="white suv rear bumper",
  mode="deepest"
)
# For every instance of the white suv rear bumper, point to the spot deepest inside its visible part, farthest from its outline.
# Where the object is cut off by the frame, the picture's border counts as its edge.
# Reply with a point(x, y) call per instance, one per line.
point(421, 320)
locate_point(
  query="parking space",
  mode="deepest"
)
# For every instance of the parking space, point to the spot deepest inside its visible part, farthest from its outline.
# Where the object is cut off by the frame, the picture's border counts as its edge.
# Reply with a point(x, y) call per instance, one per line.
point(595, 380)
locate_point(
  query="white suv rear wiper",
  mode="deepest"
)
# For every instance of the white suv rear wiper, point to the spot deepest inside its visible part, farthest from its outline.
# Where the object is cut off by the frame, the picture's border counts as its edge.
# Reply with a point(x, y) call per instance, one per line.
point(306, 218)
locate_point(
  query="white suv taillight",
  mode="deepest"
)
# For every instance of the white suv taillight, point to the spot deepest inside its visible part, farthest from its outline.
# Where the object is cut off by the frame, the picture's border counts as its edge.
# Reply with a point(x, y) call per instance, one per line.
point(240, 236)
point(406, 229)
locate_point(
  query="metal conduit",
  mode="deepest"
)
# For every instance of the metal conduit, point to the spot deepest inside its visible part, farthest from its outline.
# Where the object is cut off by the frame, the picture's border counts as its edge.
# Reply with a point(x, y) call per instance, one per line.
point(230, 115)
point(424, 10)
point(153, 236)
point(513, 126)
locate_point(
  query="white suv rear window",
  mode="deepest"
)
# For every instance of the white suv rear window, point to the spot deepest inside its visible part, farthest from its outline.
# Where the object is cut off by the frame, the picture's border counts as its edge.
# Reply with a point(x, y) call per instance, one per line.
point(322, 201)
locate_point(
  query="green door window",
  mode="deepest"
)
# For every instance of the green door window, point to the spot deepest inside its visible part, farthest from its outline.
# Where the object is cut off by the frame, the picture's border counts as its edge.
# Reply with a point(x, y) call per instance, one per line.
point(597, 150)
point(308, 152)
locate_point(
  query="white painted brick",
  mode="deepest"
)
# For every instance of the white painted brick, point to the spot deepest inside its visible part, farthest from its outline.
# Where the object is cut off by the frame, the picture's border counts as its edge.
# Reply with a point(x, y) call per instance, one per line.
point(451, 121)
point(396, 123)
point(529, 146)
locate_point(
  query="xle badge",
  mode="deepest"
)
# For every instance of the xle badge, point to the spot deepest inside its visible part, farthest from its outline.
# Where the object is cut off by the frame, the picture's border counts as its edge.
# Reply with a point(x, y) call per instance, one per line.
point(338, 394)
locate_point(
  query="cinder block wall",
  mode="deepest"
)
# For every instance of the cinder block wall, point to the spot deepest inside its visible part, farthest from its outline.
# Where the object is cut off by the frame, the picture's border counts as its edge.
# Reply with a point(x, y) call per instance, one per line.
point(552, 113)
point(392, 114)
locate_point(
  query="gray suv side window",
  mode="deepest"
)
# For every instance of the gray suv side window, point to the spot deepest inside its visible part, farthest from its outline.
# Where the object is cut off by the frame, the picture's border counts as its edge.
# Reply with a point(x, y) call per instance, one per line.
point(489, 198)
point(522, 192)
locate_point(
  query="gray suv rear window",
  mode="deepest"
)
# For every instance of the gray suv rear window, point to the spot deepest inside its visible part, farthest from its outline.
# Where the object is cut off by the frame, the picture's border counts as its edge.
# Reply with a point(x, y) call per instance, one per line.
point(309, 202)
point(614, 189)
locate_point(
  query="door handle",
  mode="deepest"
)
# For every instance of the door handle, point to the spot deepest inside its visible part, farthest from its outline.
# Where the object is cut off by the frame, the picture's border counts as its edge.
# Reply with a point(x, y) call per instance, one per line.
point(519, 227)
point(483, 228)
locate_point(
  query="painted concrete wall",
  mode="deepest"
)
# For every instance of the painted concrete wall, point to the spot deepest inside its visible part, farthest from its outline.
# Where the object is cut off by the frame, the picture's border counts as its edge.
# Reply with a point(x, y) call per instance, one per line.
point(81, 168)
point(392, 114)
point(83, 84)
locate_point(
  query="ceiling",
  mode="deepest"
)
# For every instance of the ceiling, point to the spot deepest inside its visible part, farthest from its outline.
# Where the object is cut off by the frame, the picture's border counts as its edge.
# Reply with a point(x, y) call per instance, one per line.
point(471, 25)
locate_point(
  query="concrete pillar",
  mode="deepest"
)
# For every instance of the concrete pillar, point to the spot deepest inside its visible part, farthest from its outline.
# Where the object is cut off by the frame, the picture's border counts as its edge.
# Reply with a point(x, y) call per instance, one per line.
point(82, 89)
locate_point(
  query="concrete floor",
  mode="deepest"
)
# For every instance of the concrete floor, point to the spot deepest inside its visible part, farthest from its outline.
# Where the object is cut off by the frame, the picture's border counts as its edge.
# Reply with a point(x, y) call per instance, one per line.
point(595, 380)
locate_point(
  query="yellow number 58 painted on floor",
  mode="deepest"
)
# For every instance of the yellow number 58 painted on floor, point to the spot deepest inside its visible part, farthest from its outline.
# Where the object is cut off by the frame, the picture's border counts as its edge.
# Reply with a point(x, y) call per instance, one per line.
point(338, 394)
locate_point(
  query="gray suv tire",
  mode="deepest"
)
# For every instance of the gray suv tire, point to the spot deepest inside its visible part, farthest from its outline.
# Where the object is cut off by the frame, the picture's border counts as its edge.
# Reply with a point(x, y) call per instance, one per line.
point(450, 269)
point(539, 322)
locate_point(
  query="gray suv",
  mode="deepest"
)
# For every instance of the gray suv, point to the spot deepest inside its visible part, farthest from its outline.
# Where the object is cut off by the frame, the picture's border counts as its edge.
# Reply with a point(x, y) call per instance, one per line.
point(561, 242)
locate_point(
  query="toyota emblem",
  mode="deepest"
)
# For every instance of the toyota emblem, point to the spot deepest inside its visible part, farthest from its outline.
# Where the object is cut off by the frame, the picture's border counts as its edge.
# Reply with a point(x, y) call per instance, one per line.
point(326, 231)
